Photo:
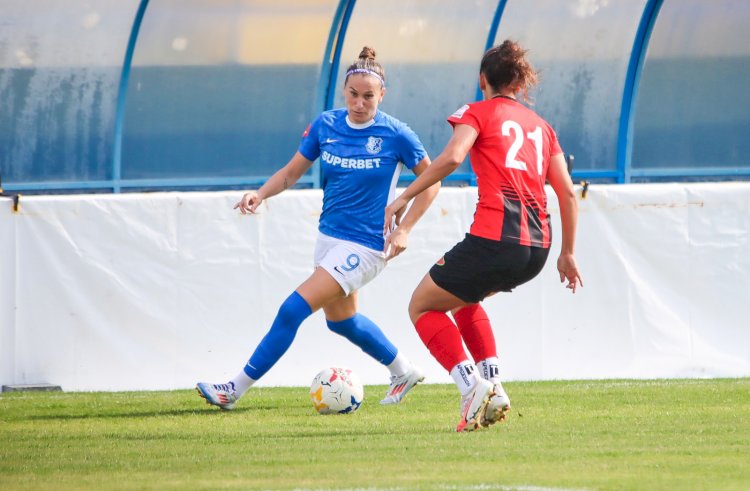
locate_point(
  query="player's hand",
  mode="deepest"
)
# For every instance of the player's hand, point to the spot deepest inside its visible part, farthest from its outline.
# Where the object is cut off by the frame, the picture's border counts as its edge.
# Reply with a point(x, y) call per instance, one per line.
point(249, 203)
point(395, 210)
point(395, 243)
point(566, 265)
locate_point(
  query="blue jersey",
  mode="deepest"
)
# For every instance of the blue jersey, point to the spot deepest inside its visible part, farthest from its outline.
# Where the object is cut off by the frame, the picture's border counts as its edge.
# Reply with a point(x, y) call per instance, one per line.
point(360, 168)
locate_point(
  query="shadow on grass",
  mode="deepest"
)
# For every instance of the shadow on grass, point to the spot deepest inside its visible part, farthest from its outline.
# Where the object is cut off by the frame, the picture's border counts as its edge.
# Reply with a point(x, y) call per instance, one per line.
point(316, 431)
point(141, 414)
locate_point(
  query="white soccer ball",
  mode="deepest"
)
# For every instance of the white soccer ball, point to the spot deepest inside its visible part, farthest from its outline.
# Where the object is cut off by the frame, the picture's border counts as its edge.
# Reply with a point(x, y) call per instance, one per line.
point(336, 391)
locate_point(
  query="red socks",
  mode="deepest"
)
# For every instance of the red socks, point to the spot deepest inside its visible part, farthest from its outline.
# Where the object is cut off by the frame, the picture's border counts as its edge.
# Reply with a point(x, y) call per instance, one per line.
point(446, 341)
point(440, 335)
point(476, 331)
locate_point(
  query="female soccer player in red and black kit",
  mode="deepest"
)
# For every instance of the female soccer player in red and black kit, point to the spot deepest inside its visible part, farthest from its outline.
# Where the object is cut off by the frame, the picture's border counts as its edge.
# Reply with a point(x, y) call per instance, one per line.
point(513, 153)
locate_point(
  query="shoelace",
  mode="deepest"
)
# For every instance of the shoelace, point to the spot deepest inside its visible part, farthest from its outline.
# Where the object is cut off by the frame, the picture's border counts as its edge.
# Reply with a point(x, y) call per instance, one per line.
point(224, 387)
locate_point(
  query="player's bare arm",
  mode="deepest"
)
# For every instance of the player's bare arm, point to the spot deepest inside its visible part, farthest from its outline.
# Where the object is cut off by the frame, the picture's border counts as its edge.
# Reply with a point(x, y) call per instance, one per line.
point(396, 242)
point(283, 179)
point(448, 161)
point(562, 184)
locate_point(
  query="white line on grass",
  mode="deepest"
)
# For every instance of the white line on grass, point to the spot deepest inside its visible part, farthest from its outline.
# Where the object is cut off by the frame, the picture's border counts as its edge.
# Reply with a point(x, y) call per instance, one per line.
point(502, 487)
point(453, 487)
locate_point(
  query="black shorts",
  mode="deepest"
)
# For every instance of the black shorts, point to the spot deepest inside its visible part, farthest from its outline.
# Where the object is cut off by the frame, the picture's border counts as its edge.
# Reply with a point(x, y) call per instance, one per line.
point(477, 267)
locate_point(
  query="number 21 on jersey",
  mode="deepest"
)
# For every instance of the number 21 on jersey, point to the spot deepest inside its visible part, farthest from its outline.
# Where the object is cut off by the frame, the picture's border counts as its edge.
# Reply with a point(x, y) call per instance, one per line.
point(510, 126)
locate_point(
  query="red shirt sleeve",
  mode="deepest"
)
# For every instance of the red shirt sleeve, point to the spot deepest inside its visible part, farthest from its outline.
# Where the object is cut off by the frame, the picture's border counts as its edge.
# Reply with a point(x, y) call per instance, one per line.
point(554, 144)
point(465, 115)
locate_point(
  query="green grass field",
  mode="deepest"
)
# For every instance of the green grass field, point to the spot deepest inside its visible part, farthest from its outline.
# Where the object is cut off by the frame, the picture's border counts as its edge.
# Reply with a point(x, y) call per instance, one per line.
point(592, 435)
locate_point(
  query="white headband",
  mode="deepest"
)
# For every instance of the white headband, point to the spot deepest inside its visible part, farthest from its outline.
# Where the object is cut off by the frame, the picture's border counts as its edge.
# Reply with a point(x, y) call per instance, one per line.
point(367, 71)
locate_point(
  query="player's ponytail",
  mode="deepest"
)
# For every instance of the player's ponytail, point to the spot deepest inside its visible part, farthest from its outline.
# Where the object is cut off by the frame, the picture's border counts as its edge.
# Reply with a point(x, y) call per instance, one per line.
point(367, 53)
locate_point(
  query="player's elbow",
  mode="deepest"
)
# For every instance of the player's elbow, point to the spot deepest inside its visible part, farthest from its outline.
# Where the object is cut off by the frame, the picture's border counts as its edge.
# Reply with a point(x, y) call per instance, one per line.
point(562, 185)
point(566, 193)
point(453, 160)
point(566, 197)
point(432, 192)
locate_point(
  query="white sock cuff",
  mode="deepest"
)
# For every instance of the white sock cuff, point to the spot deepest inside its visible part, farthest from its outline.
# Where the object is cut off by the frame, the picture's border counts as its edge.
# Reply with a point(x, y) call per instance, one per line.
point(465, 376)
point(241, 383)
point(489, 368)
point(400, 365)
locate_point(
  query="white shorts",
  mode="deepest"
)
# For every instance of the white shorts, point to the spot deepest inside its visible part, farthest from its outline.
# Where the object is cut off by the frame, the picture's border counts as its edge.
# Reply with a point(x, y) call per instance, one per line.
point(351, 265)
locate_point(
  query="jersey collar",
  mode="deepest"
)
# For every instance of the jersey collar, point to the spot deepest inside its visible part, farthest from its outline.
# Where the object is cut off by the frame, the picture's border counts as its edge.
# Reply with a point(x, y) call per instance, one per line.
point(360, 126)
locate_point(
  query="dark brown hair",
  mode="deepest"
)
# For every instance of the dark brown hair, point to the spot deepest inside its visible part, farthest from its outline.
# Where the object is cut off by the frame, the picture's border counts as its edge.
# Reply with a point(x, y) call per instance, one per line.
point(366, 63)
point(506, 67)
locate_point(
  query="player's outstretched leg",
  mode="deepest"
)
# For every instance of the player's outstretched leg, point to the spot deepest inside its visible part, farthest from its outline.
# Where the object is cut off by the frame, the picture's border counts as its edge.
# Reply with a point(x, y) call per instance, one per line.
point(221, 395)
point(274, 344)
point(364, 333)
point(474, 405)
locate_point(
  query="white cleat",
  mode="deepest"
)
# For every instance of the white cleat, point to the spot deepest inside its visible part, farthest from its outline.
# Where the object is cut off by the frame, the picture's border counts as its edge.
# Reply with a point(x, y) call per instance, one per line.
point(474, 404)
point(401, 385)
point(498, 408)
point(221, 395)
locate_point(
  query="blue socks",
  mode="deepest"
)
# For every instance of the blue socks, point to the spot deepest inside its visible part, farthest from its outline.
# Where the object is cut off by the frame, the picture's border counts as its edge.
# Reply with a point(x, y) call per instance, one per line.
point(274, 344)
point(358, 329)
point(367, 335)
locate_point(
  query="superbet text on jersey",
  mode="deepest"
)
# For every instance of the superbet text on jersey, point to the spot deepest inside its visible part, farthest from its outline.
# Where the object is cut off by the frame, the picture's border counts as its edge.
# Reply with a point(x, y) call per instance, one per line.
point(360, 166)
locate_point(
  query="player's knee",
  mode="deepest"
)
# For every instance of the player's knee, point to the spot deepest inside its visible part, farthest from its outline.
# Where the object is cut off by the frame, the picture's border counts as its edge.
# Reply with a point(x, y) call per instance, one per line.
point(293, 311)
point(341, 328)
point(418, 304)
point(415, 311)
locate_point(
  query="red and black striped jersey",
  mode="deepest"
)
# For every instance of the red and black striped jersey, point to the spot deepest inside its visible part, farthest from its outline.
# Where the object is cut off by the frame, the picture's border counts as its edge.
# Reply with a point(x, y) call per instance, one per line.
point(510, 158)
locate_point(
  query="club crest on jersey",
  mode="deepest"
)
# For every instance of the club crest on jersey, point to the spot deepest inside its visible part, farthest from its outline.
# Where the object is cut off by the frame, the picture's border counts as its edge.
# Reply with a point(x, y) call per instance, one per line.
point(374, 145)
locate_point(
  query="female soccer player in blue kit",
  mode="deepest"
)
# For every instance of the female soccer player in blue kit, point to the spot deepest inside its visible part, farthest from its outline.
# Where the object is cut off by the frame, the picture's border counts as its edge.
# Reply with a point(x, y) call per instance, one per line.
point(361, 151)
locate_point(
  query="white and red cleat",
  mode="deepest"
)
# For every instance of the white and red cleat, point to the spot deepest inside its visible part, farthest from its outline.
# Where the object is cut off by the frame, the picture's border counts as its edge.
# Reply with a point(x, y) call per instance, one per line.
point(474, 404)
point(401, 385)
point(221, 395)
point(498, 407)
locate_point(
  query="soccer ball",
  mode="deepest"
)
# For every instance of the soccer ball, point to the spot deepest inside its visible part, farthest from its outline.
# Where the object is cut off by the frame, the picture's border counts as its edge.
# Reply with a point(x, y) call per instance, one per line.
point(336, 391)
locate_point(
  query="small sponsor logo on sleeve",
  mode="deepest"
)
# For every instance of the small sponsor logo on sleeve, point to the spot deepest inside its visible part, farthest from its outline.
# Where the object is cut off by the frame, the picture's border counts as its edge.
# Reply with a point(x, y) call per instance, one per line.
point(460, 111)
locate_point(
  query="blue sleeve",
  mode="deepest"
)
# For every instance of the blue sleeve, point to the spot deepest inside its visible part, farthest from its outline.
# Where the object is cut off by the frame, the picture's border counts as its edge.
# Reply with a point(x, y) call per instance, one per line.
point(309, 147)
point(411, 149)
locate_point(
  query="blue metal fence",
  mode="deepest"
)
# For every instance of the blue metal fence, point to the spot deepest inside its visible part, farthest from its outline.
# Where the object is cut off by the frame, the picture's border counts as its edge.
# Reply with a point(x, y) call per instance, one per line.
point(115, 179)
